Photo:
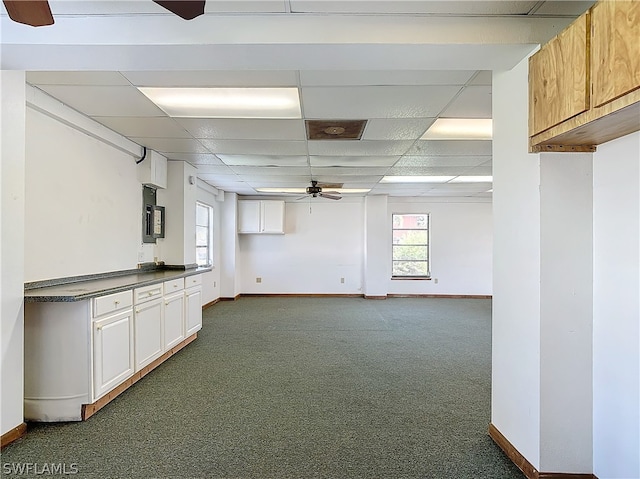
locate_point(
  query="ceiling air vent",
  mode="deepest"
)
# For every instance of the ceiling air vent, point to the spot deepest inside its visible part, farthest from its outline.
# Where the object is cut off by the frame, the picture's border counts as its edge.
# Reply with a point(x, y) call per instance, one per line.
point(335, 129)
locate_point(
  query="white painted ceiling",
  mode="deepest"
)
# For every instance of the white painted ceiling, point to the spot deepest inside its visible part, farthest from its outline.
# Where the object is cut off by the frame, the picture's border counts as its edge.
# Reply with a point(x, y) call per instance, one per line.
point(398, 64)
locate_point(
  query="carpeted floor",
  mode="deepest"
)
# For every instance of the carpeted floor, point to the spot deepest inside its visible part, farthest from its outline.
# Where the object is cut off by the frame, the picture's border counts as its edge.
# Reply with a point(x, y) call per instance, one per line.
point(300, 388)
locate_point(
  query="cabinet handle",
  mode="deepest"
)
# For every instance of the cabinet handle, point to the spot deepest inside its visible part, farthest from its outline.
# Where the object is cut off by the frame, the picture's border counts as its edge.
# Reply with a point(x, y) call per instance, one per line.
point(150, 293)
point(117, 302)
point(99, 327)
point(137, 311)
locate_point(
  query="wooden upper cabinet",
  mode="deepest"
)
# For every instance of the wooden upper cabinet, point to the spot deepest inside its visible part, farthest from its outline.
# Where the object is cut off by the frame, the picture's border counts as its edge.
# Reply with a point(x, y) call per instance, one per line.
point(615, 47)
point(559, 78)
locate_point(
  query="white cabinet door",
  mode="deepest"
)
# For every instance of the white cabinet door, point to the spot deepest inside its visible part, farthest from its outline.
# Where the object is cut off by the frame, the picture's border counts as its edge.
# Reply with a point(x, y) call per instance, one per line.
point(148, 333)
point(193, 311)
point(173, 320)
point(112, 352)
point(272, 217)
point(249, 216)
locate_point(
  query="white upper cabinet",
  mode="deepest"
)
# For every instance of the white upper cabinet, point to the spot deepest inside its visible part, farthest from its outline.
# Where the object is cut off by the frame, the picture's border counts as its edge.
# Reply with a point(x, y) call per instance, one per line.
point(261, 216)
point(152, 170)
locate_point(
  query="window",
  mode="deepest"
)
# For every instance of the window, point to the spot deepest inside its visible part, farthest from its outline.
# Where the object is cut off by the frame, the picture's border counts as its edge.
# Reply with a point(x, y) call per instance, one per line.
point(204, 235)
point(410, 247)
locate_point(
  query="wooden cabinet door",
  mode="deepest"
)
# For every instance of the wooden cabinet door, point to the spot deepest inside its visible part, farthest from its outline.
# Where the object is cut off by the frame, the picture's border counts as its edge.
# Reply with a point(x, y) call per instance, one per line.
point(193, 311)
point(149, 343)
point(559, 78)
point(615, 49)
point(173, 320)
point(113, 355)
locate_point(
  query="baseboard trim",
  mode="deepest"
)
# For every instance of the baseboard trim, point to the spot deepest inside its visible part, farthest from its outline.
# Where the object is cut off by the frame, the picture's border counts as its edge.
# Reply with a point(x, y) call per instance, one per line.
point(299, 295)
point(525, 466)
point(211, 303)
point(229, 298)
point(89, 410)
point(445, 296)
point(13, 435)
point(375, 297)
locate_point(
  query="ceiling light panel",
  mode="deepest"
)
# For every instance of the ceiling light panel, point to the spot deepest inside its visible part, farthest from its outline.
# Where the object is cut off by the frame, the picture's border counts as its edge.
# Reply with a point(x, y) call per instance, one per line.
point(472, 179)
point(459, 129)
point(226, 102)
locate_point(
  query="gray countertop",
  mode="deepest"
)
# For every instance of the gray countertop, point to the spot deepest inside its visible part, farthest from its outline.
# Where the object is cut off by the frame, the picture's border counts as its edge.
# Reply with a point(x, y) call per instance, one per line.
point(97, 286)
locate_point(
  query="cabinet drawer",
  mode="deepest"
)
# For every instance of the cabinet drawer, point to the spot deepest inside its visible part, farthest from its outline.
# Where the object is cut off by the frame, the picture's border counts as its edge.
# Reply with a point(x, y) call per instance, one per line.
point(111, 303)
point(140, 295)
point(195, 280)
point(173, 285)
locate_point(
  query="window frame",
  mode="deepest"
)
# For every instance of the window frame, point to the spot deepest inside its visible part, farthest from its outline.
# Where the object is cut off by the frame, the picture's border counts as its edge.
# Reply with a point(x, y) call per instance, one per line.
point(427, 247)
point(209, 246)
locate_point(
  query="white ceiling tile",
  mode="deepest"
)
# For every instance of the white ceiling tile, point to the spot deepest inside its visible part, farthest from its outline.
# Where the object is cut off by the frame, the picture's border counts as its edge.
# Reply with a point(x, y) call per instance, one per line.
point(479, 171)
point(376, 101)
point(255, 147)
point(276, 181)
point(263, 160)
point(76, 78)
point(348, 171)
point(214, 170)
point(166, 146)
point(396, 128)
point(451, 148)
point(357, 161)
point(484, 77)
point(104, 100)
point(434, 161)
point(148, 127)
point(384, 77)
point(198, 158)
point(473, 102)
point(244, 129)
point(270, 170)
point(427, 171)
point(358, 148)
point(250, 78)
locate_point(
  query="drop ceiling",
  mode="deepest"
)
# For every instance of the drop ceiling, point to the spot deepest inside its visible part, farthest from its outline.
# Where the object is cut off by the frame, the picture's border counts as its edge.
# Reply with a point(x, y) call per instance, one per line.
point(399, 65)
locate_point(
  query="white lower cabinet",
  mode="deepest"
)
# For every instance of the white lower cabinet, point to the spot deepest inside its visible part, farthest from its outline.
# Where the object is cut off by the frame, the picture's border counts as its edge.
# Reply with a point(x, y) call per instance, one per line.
point(193, 310)
point(112, 351)
point(173, 320)
point(149, 341)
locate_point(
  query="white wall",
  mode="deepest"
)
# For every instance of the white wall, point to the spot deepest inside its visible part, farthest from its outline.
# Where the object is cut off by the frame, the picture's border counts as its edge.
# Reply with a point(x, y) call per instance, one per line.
point(211, 281)
point(317, 250)
point(515, 398)
point(12, 221)
point(322, 246)
point(616, 309)
point(83, 203)
point(461, 246)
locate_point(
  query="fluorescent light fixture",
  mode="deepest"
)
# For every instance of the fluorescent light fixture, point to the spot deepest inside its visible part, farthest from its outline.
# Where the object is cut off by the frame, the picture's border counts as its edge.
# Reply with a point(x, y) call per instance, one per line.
point(304, 190)
point(472, 179)
point(460, 129)
point(416, 179)
point(226, 102)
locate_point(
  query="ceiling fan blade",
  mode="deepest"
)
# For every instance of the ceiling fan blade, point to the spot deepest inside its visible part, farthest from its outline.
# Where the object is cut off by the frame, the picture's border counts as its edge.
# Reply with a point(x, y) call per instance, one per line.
point(330, 185)
point(29, 12)
point(331, 192)
point(330, 197)
point(187, 9)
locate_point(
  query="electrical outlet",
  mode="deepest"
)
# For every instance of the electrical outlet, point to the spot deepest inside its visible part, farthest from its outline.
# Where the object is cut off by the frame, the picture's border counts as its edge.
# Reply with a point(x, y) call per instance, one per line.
point(342, 280)
point(140, 256)
point(214, 284)
point(258, 279)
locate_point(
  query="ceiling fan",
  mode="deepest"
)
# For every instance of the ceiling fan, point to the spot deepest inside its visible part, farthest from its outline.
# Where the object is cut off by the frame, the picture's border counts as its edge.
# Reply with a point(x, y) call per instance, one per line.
point(37, 13)
point(317, 189)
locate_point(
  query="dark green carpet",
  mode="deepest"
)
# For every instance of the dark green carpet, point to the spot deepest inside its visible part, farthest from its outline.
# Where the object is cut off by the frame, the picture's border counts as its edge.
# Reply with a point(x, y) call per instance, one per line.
point(301, 388)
